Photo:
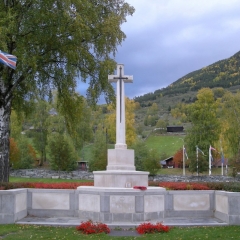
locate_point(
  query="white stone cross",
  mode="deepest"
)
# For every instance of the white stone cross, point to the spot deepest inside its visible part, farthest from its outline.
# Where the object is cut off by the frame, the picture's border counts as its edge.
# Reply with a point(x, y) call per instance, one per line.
point(120, 79)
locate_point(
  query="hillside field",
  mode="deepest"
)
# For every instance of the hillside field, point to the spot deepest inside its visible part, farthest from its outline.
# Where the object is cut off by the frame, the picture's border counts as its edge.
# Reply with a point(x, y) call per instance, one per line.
point(168, 144)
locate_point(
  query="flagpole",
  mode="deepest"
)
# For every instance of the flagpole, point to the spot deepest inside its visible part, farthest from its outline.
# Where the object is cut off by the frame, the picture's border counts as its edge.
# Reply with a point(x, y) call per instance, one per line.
point(222, 158)
point(209, 154)
point(183, 162)
point(197, 158)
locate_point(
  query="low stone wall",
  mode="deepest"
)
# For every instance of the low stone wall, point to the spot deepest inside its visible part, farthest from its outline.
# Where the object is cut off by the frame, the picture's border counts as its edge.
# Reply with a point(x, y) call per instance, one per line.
point(119, 205)
point(42, 173)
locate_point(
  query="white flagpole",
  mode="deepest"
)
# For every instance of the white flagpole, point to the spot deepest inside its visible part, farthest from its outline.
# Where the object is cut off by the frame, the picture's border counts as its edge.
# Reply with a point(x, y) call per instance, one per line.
point(197, 158)
point(209, 153)
point(221, 156)
point(183, 162)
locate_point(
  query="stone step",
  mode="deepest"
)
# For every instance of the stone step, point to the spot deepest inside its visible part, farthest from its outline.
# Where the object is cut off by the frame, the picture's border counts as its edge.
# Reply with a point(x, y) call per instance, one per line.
point(74, 221)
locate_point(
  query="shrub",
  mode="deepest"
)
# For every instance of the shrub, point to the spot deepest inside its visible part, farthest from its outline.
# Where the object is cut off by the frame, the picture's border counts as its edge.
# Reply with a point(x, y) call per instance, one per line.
point(62, 152)
point(152, 162)
point(152, 228)
point(90, 227)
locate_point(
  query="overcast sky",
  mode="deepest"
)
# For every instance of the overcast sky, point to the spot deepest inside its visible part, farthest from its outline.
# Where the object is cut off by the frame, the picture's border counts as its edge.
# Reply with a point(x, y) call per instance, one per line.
point(167, 39)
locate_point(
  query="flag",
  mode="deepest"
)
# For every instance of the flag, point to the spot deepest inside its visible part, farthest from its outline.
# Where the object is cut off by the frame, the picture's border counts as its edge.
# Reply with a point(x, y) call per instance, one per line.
point(200, 150)
point(222, 158)
point(212, 148)
point(185, 152)
point(8, 59)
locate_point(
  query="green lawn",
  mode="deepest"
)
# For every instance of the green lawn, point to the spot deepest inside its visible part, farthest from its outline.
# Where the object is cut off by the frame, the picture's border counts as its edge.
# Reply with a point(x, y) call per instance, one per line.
point(165, 144)
point(179, 171)
point(17, 232)
point(45, 180)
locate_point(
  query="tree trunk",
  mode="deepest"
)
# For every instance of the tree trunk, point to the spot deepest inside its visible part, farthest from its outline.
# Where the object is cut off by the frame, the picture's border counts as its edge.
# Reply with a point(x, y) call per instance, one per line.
point(5, 112)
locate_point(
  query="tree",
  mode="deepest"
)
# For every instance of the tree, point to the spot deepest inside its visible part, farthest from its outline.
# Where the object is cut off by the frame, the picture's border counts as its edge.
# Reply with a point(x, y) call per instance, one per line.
point(205, 127)
point(27, 154)
point(14, 155)
point(56, 41)
point(178, 158)
point(162, 124)
point(141, 153)
point(62, 153)
point(231, 125)
point(153, 110)
point(77, 115)
point(152, 163)
point(99, 152)
point(41, 124)
point(16, 124)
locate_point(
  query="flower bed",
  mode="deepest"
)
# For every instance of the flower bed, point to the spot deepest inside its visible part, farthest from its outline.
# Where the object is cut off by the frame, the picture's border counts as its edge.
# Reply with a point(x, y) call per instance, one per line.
point(152, 228)
point(90, 227)
point(184, 186)
point(228, 186)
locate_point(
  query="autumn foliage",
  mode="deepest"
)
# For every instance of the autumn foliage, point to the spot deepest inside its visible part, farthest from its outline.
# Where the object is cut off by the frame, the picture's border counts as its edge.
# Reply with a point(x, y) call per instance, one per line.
point(15, 154)
point(178, 158)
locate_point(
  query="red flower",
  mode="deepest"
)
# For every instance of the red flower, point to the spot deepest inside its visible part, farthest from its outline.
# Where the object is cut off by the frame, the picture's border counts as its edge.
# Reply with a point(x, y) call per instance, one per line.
point(151, 228)
point(140, 187)
point(90, 227)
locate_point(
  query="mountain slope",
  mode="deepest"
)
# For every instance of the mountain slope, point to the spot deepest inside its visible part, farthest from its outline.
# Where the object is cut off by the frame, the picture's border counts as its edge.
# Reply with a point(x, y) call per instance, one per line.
point(224, 73)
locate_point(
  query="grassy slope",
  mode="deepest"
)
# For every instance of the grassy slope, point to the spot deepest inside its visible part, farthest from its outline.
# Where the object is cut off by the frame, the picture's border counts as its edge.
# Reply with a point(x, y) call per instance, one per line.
point(168, 144)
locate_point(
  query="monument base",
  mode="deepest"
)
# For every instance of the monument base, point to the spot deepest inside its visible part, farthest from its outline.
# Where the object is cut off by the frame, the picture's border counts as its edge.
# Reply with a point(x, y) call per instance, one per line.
point(121, 159)
point(111, 205)
point(120, 178)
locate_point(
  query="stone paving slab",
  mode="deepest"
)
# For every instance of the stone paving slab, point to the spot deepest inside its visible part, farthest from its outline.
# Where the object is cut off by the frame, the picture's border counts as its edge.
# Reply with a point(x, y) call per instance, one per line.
point(74, 221)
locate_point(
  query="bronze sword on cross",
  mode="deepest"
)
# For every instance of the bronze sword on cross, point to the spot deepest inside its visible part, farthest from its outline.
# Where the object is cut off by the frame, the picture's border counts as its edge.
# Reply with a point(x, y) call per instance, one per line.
point(120, 78)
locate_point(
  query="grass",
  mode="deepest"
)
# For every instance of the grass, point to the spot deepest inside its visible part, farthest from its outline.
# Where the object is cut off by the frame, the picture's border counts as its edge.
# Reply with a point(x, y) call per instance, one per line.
point(165, 144)
point(17, 232)
point(45, 180)
point(179, 172)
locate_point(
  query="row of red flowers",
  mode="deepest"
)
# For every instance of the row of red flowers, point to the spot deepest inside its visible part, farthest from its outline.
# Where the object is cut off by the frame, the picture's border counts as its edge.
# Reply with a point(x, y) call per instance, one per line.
point(74, 185)
point(184, 186)
point(90, 227)
point(152, 228)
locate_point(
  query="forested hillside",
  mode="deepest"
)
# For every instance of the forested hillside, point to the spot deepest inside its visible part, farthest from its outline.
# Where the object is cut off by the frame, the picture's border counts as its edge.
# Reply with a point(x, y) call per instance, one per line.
point(224, 73)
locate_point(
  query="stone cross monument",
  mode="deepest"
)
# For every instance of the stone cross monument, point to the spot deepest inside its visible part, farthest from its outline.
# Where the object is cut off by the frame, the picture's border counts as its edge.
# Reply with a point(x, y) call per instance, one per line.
point(116, 196)
point(120, 79)
point(121, 171)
